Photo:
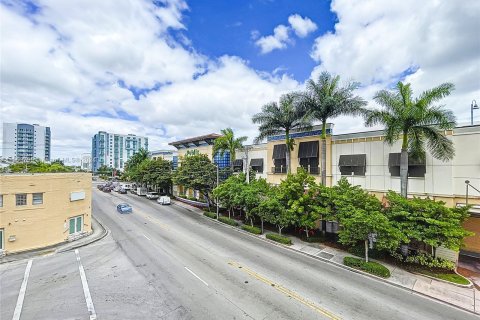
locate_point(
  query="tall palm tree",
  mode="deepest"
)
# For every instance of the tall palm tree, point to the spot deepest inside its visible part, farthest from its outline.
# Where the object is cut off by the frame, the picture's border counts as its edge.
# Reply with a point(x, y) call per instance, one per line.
point(417, 122)
point(280, 118)
point(326, 99)
point(228, 142)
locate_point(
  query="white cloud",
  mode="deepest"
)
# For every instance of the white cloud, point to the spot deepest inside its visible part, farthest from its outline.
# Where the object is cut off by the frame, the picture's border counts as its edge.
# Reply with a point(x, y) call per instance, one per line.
point(301, 26)
point(61, 68)
point(278, 40)
point(378, 43)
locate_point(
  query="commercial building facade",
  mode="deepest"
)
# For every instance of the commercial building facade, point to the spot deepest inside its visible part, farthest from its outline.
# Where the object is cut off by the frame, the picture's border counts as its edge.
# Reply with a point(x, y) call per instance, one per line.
point(39, 210)
point(113, 150)
point(26, 142)
point(169, 155)
point(366, 160)
point(255, 156)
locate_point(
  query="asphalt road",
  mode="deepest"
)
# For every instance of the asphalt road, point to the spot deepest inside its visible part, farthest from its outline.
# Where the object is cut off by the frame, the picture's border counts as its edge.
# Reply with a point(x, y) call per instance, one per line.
point(165, 262)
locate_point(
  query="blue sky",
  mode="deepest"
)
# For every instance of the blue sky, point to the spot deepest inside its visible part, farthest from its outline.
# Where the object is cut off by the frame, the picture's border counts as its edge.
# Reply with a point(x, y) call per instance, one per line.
point(225, 27)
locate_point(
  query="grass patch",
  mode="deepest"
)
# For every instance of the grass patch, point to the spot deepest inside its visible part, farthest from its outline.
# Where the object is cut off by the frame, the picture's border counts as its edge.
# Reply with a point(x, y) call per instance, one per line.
point(279, 238)
point(228, 221)
point(447, 276)
point(210, 214)
point(370, 267)
point(251, 229)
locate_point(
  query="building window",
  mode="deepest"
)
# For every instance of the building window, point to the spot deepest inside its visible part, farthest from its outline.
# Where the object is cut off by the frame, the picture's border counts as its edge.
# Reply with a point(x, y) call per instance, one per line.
point(21, 199)
point(1, 200)
point(352, 164)
point(279, 158)
point(75, 225)
point(238, 165)
point(416, 167)
point(257, 165)
point(308, 156)
point(1, 240)
point(37, 198)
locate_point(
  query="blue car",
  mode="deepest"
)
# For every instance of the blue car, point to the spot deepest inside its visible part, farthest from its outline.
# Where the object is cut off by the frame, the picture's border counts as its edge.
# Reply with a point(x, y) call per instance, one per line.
point(124, 208)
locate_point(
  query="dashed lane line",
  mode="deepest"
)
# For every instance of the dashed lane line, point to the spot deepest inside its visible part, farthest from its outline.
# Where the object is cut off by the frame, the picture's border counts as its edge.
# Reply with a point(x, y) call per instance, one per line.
point(285, 291)
point(21, 294)
point(193, 273)
point(86, 290)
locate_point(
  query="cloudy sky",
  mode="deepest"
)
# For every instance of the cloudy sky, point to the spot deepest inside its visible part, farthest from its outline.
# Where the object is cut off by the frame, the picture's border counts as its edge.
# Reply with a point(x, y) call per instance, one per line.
point(170, 69)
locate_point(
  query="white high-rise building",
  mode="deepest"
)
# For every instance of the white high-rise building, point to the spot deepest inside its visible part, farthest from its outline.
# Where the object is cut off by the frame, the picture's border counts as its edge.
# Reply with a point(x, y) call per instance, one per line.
point(113, 150)
point(26, 142)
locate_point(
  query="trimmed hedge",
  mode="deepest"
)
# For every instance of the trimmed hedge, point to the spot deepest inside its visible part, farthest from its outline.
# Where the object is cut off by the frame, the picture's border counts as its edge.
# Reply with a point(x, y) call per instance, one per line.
point(251, 229)
point(370, 267)
point(228, 221)
point(279, 238)
point(210, 214)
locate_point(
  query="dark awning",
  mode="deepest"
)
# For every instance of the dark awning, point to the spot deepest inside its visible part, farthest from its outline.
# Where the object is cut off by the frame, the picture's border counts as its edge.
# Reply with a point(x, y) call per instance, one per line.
point(352, 160)
point(279, 151)
point(394, 160)
point(308, 149)
point(256, 162)
point(238, 163)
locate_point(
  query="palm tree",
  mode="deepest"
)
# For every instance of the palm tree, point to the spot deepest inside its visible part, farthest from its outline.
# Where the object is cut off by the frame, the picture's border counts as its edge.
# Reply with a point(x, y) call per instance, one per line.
point(417, 122)
point(228, 142)
point(280, 118)
point(326, 99)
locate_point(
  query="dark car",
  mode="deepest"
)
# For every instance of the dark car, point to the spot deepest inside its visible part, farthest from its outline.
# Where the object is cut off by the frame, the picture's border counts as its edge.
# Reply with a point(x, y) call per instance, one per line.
point(124, 208)
point(122, 191)
point(107, 189)
point(100, 186)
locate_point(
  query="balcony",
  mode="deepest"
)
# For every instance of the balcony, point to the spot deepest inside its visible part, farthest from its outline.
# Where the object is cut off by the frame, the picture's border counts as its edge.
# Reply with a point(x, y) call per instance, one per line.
point(310, 170)
point(279, 170)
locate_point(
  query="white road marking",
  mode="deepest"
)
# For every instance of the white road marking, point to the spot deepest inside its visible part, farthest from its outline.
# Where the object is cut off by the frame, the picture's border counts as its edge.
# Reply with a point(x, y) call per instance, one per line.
point(146, 237)
point(196, 276)
point(21, 294)
point(86, 291)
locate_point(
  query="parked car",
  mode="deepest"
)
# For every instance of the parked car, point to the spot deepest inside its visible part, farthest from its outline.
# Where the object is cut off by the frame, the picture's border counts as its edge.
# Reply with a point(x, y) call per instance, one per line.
point(124, 208)
point(126, 186)
point(133, 191)
point(141, 191)
point(100, 186)
point(152, 195)
point(163, 200)
point(122, 191)
point(107, 189)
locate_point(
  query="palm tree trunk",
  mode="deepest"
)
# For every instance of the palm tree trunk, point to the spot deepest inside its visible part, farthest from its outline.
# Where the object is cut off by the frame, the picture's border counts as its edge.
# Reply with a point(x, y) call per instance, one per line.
point(324, 153)
point(287, 155)
point(404, 167)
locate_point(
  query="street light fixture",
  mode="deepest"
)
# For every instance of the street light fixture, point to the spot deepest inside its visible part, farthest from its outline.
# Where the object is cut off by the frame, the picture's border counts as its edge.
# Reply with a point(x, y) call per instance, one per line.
point(473, 106)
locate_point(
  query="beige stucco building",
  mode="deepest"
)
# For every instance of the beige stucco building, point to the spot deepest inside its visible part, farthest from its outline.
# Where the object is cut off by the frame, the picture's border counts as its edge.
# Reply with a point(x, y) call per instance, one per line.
point(39, 210)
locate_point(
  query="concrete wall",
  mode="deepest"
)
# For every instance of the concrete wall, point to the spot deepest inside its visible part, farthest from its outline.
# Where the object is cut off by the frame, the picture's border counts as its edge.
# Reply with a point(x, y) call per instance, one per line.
point(35, 226)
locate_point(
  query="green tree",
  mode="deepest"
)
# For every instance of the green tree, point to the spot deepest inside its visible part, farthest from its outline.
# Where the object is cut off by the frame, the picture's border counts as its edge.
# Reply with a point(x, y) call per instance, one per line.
point(132, 166)
point(298, 195)
point(282, 118)
point(228, 143)
point(251, 197)
point(197, 172)
point(38, 166)
point(326, 99)
point(157, 173)
point(427, 221)
point(230, 192)
point(417, 122)
point(271, 209)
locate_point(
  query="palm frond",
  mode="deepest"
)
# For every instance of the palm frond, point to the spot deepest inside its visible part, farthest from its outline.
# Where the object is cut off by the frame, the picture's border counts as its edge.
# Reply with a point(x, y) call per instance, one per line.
point(439, 145)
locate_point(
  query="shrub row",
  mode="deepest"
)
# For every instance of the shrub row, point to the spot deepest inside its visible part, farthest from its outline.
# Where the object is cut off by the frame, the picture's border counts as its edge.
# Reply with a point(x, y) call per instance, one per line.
point(210, 214)
point(228, 221)
point(279, 238)
point(251, 229)
point(370, 267)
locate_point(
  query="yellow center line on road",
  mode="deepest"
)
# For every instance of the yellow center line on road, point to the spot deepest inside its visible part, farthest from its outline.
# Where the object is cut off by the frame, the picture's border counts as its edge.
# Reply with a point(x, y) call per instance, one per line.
point(285, 291)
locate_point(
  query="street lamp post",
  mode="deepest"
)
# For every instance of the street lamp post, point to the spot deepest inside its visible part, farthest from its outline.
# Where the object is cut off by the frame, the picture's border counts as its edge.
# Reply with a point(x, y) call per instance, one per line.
point(473, 106)
point(218, 179)
point(467, 184)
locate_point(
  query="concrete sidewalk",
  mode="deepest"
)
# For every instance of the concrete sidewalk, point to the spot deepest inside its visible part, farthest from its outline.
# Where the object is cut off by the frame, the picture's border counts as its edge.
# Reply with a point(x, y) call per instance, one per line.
point(466, 298)
point(98, 232)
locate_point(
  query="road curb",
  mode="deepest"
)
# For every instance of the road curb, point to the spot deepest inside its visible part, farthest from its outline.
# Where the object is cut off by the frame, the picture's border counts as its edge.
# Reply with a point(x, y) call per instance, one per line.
point(332, 262)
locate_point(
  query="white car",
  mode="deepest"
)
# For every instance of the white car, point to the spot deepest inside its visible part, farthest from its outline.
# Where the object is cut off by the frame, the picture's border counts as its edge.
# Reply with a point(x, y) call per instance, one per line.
point(152, 195)
point(164, 200)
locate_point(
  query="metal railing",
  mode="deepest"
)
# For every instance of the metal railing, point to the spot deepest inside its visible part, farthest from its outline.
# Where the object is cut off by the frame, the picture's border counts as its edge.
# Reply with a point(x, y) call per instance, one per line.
point(311, 170)
point(279, 169)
